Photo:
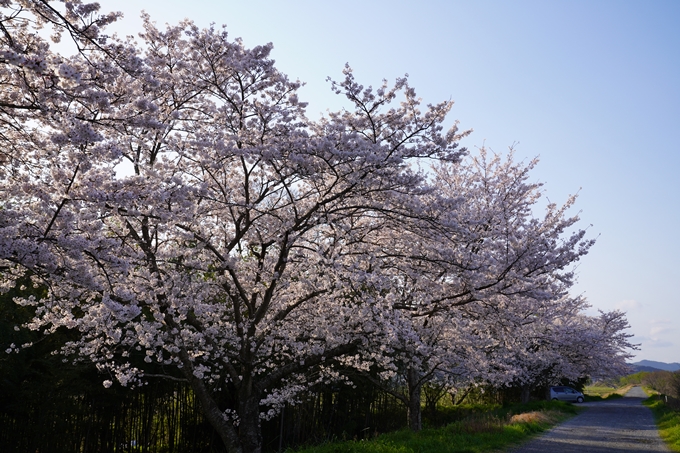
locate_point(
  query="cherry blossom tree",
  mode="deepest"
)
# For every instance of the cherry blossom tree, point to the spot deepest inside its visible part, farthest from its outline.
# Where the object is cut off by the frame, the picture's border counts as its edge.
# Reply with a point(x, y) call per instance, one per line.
point(228, 257)
point(566, 344)
point(472, 271)
point(537, 331)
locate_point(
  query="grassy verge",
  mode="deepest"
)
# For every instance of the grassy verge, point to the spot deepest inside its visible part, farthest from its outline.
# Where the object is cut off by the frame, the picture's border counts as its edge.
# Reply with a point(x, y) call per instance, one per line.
point(601, 393)
point(599, 390)
point(493, 430)
point(668, 421)
point(610, 396)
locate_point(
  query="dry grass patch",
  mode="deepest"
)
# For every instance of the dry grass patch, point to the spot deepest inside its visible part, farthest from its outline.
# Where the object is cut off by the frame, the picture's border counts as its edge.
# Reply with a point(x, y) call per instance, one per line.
point(623, 390)
point(600, 392)
point(548, 417)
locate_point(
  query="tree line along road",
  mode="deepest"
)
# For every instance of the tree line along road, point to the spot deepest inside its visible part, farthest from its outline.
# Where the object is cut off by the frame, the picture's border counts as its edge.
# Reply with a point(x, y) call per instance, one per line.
point(616, 426)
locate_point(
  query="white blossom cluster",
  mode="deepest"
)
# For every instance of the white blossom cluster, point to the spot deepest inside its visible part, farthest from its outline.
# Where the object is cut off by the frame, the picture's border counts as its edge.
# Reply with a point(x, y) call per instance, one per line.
point(69, 72)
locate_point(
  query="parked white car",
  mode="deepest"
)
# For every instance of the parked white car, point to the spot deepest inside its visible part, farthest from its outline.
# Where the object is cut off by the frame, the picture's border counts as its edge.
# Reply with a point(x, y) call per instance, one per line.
point(562, 393)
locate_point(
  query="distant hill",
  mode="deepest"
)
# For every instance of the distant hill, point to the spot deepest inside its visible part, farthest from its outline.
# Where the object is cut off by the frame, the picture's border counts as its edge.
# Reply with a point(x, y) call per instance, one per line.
point(638, 368)
point(650, 365)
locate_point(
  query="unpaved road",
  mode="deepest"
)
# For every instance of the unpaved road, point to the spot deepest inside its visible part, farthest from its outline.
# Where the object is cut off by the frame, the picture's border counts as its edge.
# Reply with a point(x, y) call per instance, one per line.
point(617, 426)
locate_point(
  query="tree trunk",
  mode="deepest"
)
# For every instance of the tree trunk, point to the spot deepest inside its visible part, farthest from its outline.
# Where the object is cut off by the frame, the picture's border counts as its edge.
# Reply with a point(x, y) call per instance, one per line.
point(224, 427)
point(247, 438)
point(525, 394)
point(433, 393)
point(250, 431)
point(415, 422)
point(215, 417)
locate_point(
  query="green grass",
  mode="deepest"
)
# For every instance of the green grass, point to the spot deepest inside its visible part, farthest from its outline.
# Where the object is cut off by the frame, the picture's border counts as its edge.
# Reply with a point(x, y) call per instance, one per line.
point(634, 379)
point(497, 429)
point(611, 396)
point(598, 390)
point(602, 392)
point(668, 421)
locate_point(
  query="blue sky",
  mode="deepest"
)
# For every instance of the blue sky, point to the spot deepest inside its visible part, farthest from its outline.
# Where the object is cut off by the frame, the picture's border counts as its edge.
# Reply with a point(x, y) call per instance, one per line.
point(592, 87)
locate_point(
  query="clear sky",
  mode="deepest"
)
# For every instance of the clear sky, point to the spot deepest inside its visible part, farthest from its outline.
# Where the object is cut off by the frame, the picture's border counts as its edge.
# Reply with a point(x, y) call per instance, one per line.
point(592, 87)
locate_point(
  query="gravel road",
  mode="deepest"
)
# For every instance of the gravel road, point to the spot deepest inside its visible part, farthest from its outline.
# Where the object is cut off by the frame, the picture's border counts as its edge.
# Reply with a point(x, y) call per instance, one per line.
point(617, 426)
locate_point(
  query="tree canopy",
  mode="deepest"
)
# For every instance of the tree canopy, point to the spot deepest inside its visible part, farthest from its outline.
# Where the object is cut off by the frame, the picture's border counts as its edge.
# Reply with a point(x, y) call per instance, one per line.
point(255, 251)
